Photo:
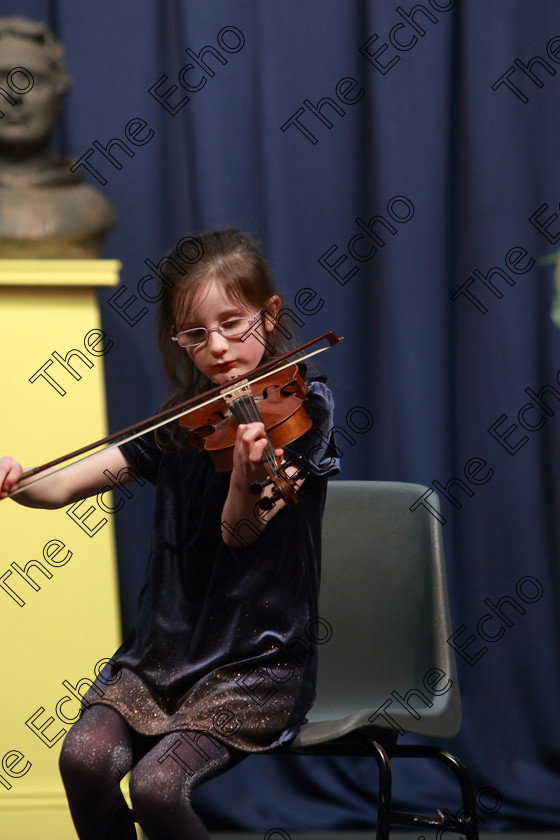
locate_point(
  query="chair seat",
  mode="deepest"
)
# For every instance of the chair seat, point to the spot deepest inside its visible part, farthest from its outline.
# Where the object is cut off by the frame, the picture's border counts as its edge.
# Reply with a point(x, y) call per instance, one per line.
point(343, 737)
point(324, 731)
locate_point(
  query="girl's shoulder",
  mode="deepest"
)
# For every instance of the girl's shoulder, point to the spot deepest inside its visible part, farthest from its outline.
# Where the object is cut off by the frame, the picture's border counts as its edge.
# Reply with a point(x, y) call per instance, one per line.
point(317, 446)
point(319, 393)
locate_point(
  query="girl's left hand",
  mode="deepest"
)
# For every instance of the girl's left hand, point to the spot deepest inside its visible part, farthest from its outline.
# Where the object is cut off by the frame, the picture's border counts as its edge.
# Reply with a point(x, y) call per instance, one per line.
point(250, 442)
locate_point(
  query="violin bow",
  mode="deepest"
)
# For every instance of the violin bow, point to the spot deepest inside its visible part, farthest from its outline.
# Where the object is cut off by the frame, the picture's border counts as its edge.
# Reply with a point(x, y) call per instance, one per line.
point(175, 412)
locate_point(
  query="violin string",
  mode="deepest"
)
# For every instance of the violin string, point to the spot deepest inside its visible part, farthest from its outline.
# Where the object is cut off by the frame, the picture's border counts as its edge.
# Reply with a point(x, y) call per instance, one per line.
point(250, 413)
point(40, 473)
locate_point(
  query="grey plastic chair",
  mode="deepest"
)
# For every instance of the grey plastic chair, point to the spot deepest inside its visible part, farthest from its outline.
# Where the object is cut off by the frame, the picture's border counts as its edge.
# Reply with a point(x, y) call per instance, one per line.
point(387, 669)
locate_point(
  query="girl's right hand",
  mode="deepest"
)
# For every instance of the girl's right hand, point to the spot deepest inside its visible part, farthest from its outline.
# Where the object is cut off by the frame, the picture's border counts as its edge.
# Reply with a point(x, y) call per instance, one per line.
point(60, 487)
point(10, 473)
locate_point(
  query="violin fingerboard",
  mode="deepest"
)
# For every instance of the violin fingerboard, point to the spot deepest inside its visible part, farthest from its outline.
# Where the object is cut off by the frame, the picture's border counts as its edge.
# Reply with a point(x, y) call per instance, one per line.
point(245, 410)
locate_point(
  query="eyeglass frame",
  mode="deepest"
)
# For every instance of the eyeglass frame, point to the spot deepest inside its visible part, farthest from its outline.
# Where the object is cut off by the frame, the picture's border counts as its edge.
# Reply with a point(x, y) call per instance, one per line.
point(250, 319)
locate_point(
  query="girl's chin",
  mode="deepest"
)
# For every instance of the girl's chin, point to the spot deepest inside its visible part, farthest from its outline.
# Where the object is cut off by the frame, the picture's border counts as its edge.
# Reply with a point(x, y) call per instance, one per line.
point(222, 378)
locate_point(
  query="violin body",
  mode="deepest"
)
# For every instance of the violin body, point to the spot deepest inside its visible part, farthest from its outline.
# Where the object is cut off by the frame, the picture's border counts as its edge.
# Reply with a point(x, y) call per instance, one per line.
point(276, 400)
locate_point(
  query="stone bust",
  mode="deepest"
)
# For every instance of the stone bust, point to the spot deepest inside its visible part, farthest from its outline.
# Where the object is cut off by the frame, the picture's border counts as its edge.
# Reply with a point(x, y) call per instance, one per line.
point(46, 211)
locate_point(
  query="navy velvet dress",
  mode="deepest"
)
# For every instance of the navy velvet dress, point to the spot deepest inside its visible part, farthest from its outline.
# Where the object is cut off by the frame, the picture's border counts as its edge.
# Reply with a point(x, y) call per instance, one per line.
point(225, 639)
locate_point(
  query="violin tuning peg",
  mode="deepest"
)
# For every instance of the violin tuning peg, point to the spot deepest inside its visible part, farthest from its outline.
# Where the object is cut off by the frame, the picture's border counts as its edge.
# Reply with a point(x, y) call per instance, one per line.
point(266, 504)
point(256, 487)
point(302, 468)
point(296, 461)
point(290, 462)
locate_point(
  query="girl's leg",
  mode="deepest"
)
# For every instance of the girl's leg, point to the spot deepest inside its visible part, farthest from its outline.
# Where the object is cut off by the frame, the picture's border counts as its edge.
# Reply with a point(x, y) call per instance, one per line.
point(95, 755)
point(162, 782)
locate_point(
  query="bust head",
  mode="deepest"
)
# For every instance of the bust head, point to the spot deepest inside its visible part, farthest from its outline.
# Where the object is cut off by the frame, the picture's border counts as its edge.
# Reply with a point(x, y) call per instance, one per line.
point(46, 211)
point(26, 127)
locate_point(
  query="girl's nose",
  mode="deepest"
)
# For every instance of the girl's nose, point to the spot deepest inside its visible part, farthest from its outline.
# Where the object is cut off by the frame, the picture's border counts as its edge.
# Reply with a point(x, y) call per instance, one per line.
point(216, 341)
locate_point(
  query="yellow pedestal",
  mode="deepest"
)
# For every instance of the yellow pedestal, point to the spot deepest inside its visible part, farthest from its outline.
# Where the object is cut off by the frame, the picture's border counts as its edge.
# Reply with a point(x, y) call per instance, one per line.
point(53, 633)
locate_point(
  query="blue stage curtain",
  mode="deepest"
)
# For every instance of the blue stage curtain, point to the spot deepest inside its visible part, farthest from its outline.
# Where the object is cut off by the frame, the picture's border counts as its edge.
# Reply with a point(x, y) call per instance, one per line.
point(437, 124)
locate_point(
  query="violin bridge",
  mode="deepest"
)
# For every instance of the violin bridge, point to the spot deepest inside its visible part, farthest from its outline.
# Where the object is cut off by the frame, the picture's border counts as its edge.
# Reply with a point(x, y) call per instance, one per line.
point(241, 389)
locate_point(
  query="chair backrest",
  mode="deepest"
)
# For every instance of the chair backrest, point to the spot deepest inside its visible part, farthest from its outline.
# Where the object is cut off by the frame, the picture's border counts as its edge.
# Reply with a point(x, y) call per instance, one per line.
point(384, 593)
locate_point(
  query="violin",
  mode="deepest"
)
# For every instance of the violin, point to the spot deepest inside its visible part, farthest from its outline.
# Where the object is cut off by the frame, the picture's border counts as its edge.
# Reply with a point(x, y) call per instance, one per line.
point(277, 401)
point(272, 393)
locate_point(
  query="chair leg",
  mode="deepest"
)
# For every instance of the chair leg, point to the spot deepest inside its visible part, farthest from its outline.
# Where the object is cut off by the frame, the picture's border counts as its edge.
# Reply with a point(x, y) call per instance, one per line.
point(468, 820)
point(385, 791)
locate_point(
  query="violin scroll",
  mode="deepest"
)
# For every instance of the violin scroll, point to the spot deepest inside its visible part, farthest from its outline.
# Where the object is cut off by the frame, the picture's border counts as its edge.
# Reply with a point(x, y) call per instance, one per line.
point(268, 502)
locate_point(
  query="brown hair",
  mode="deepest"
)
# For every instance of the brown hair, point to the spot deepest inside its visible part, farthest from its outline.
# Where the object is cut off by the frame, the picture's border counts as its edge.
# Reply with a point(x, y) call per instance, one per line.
point(234, 260)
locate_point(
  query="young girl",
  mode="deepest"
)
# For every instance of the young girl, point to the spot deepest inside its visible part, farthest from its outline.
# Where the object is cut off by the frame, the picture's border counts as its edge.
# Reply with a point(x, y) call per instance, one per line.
point(221, 661)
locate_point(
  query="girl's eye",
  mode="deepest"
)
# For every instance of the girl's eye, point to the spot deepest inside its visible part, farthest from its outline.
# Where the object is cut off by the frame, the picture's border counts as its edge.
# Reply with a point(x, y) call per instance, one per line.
point(198, 334)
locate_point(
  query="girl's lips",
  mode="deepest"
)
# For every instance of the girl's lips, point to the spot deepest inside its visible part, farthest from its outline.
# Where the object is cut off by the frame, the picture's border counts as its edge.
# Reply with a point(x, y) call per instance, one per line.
point(224, 366)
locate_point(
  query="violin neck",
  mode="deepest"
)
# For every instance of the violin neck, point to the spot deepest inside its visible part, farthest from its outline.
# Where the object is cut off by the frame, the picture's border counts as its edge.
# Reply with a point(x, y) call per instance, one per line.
point(245, 410)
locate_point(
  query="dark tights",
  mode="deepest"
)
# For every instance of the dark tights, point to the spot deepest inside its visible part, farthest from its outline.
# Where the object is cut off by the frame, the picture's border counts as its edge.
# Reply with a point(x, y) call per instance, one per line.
point(100, 749)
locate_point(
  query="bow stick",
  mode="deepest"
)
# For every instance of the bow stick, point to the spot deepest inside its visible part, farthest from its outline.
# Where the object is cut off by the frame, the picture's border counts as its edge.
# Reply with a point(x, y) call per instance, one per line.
point(177, 411)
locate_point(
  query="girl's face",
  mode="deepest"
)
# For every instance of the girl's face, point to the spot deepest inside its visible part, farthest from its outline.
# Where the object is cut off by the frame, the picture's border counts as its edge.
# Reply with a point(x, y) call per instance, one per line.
point(220, 358)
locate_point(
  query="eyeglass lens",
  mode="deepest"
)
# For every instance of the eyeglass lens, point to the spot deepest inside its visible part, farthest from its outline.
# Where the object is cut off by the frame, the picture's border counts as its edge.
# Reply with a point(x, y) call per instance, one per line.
point(229, 329)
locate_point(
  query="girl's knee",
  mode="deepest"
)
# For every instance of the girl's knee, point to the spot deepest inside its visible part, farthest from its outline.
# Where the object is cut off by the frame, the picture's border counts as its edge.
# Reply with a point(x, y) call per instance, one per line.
point(150, 797)
point(154, 783)
point(168, 774)
point(94, 752)
point(162, 781)
point(65, 759)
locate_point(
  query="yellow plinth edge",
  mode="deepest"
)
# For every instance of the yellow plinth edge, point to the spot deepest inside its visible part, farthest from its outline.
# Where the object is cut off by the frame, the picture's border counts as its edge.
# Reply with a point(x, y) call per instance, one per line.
point(59, 272)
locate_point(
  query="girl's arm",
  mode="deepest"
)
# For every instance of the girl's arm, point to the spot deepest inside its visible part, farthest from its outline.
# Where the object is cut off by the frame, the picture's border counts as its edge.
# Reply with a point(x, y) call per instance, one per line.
point(62, 487)
point(241, 524)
